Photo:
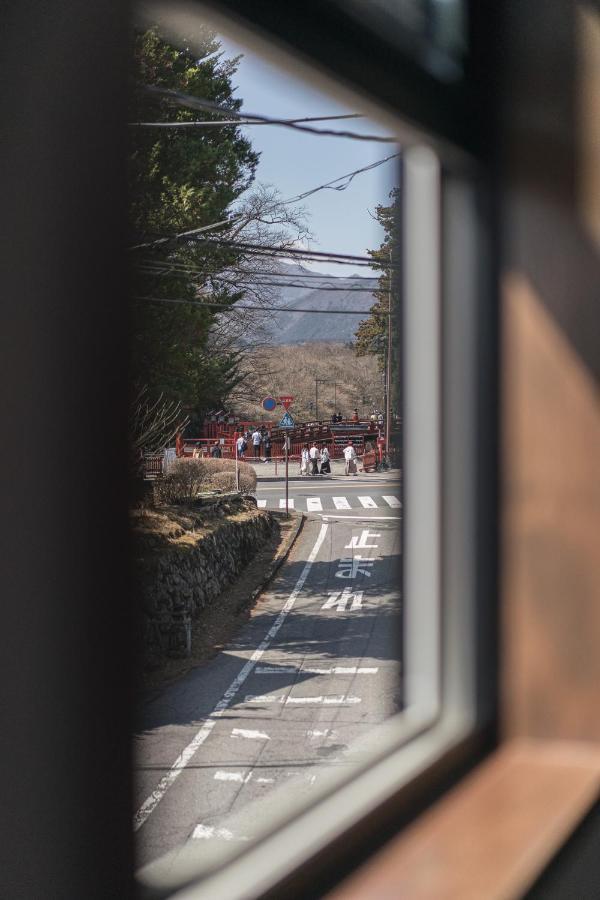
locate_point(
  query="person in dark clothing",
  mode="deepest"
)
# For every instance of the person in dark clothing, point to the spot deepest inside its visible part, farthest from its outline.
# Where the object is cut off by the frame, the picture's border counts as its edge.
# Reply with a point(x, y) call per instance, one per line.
point(267, 445)
point(215, 450)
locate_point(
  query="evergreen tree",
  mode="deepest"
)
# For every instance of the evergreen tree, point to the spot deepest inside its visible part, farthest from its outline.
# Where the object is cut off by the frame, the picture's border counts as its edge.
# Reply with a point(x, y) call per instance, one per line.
point(182, 179)
point(372, 333)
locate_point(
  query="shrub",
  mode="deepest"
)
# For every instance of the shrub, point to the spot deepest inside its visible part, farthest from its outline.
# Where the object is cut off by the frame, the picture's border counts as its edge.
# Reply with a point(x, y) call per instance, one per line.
point(189, 477)
point(225, 481)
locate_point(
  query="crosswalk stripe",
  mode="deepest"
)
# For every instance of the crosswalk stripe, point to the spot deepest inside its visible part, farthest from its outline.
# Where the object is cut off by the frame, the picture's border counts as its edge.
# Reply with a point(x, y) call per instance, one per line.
point(290, 503)
point(392, 501)
point(313, 504)
point(368, 502)
point(261, 504)
point(341, 503)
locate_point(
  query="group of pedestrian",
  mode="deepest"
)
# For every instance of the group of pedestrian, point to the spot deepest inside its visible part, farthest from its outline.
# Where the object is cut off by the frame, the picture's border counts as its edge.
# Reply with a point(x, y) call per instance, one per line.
point(259, 439)
point(310, 458)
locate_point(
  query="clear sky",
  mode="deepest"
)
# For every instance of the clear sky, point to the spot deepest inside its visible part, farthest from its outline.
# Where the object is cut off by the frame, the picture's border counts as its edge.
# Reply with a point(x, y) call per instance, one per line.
point(295, 162)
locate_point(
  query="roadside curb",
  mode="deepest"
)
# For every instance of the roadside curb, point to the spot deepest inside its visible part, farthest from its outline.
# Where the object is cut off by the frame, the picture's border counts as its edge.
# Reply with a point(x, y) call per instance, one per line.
point(277, 561)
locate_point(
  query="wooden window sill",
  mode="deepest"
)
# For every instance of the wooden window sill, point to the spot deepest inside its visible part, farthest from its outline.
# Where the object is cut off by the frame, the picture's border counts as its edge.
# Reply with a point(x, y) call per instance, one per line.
point(493, 834)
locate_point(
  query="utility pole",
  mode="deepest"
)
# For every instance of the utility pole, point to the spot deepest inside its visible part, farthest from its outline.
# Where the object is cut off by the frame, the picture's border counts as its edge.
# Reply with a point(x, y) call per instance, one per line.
point(388, 372)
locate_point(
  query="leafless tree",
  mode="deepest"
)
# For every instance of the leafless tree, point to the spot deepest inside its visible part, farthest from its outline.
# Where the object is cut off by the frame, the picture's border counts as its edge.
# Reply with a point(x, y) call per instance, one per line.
point(153, 423)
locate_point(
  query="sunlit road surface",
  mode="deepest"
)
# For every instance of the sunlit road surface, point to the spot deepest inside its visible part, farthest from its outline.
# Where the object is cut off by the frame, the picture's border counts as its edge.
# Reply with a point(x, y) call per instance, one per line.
point(361, 496)
point(229, 749)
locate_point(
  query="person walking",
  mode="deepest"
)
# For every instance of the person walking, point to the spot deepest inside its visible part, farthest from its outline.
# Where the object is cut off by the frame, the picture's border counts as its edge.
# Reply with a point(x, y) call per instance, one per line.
point(314, 459)
point(215, 450)
point(325, 462)
point(267, 446)
point(304, 460)
point(256, 439)
point(241, 446)
point(350, 458)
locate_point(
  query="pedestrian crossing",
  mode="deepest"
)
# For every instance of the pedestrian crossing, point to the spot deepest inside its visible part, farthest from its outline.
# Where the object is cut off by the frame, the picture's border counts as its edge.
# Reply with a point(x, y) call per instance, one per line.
point(327, 503)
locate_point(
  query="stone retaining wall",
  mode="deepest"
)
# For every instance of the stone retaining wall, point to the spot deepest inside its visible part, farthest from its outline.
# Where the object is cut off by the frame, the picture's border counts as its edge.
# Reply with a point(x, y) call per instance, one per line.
point(179, 581)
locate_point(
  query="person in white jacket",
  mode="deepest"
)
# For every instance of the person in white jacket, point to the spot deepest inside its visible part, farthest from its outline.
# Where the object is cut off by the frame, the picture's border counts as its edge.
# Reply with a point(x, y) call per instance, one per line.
point(350, 457)
point(325, 464)
point(304, 460)
point(314, 459)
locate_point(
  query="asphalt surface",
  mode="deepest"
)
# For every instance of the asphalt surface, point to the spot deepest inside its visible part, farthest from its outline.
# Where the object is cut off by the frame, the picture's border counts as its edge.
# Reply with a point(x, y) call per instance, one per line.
point(233, 747)
point(364, 494)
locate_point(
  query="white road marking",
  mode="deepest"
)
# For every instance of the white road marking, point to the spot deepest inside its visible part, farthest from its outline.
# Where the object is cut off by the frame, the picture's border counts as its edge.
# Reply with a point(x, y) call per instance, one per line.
point(221, 775)
point(207, 832)
point(362, 542)
point(313, 504)
point(265, 780)
point(261, 504)
point(151, 802)
point(351, 566)
point(303, 700)
point(341, 518)
point(392, 501)
point(340, 599)
point(312, 670)
point(340, 700)
point(356, 670)
point(341, 503)
point(290, 503)
point(367, 502)
point(250, 735)
point(263, 698)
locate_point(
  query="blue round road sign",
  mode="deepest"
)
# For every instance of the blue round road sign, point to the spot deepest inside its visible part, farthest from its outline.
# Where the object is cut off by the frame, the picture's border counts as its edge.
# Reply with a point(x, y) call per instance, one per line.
point(269, 403)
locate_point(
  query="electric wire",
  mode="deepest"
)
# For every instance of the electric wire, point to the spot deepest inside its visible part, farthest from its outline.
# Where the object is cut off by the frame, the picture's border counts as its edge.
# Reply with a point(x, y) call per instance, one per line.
point(234, 307)
point(190, 102)
point(207, 123)
point(329, 185)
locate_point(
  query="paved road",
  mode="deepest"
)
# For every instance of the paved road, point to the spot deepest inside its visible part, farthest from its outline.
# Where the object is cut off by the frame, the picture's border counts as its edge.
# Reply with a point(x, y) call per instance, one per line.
point(234, 745)
point(364, 495)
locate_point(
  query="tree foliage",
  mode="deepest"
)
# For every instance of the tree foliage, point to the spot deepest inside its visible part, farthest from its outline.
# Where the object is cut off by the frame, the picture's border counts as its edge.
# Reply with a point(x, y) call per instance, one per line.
point(371, 335)
point(189, 178)
point(182, 179)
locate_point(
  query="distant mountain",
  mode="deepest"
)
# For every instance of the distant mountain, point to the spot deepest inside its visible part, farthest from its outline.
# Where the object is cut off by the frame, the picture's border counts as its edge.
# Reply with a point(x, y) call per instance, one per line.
point(299, 288)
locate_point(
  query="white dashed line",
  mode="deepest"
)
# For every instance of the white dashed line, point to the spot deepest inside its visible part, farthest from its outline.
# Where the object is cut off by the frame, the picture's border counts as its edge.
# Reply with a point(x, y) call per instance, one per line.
point(314, 670)
point(290, 503)
point(221, 775)
point(261, 504)
point(208, 832)
point(313, 504)
point(250, 735)
point(392, 501)
point(151, 802)
point(341, 503)
point(339, 700)
point(367, 502)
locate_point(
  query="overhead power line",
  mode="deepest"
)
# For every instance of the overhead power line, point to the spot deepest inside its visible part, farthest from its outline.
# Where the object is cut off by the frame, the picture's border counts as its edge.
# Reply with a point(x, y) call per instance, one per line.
point(347, 290)
point(160, 265)
point(234, 219)
point(191, 102)
point(216, 123)
point(347, 179)
point(260, 308)
point(319, 255)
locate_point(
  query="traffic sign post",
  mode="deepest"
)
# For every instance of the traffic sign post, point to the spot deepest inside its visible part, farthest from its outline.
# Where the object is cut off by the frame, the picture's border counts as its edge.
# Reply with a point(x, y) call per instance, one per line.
point(286, 443)
point(269, 403)
point(286, 422)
